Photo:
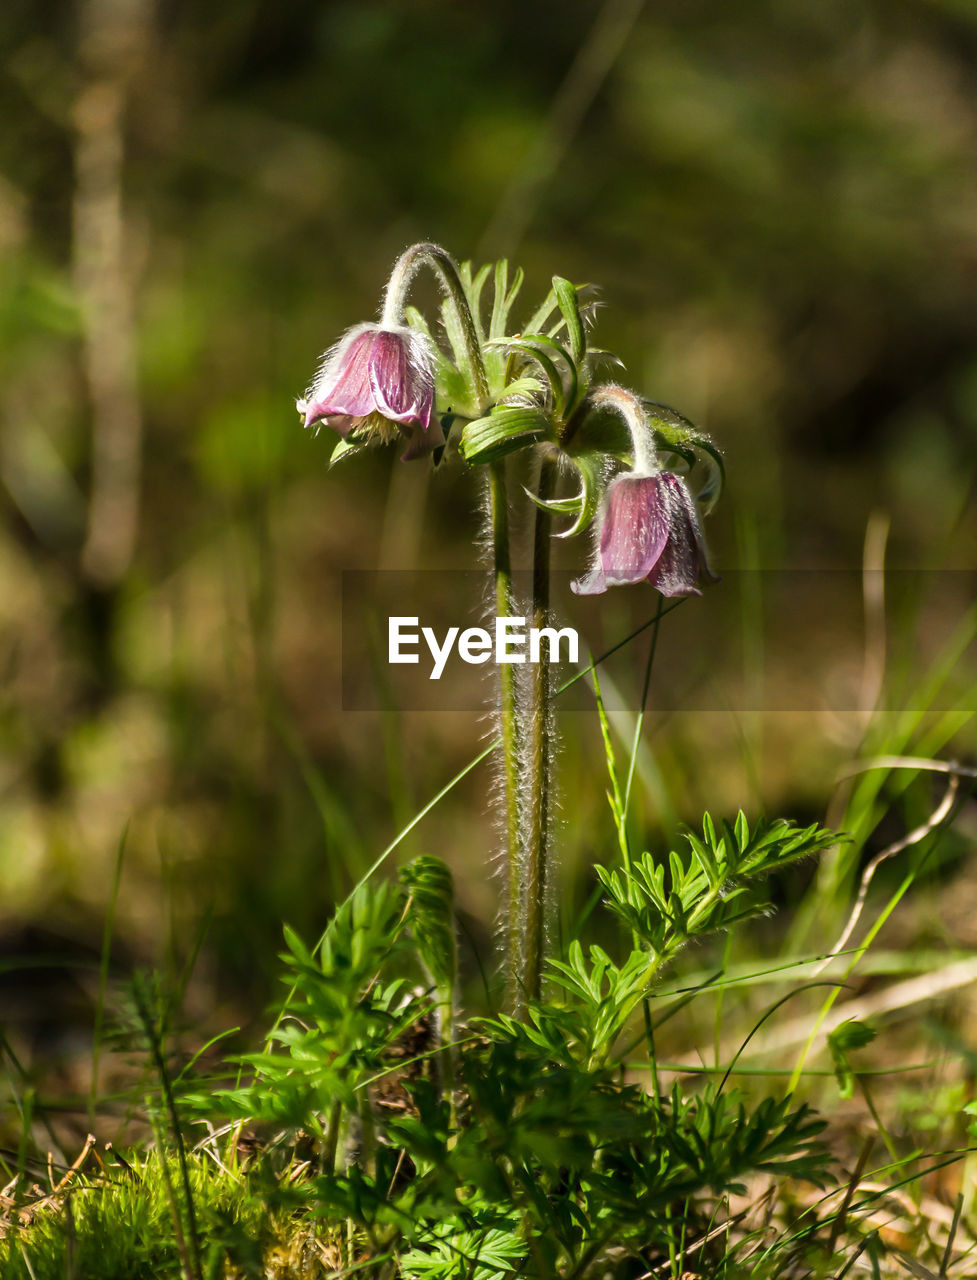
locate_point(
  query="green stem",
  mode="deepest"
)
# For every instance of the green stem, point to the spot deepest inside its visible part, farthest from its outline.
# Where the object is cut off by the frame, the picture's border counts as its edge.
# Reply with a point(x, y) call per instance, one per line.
point(638, 726)
point(509, 719)
point(443, 266)
point(446, 1009)
point(368, 1136)
point(537, 797)
point(330, 1146)
point(866, 1093)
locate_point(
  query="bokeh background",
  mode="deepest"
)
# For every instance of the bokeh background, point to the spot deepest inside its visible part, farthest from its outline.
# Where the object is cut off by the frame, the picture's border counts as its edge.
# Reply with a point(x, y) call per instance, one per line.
point(778, 200)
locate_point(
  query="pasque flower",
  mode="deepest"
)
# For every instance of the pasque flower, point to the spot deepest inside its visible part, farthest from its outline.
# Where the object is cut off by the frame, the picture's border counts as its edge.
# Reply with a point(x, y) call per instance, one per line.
point(374, 383)
point(649, 533)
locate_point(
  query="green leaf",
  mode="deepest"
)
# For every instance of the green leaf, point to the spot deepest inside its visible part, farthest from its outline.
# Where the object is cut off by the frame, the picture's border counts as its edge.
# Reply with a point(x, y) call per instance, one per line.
point(430, 916)
point(454, 392)
point(709, 829)
point(711, 491)
point(499, 301)
point(706, 859)
point(846, 1038)
point(343, 447)
point(530, 386)
point(541, 314)
point(674, 431)
point(566, 298)
point(297, 948)
point(741, 830)
point(455, 333)
point(513, 293)
point(506, 429)
point(570, 394)
point(585, 503)
point(474, 289)
point(533, 346)
point(590, 468)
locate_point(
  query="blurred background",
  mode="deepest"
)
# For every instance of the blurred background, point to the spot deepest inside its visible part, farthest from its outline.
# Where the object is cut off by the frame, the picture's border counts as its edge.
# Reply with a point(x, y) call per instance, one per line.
point(778, 201)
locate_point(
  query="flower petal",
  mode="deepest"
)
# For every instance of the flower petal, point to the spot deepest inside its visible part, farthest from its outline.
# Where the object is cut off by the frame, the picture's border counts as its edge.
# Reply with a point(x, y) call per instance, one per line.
point(342, 386)
point(594, 584)
point(636, 527)
point(421, 441)
point(401, 380)
point(683, 558)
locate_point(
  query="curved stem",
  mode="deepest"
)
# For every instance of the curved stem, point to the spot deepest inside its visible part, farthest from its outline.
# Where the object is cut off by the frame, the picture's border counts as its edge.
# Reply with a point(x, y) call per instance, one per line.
point(537, 796)
point(444, 267)
point(627, 404)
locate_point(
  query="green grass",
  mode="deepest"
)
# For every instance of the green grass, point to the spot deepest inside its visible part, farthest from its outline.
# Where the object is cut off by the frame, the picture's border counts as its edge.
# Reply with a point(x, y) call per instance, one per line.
point(639, 1120)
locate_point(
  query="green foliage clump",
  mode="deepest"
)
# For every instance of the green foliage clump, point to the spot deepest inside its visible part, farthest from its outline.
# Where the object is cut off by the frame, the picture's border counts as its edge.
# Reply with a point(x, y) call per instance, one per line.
point(385, 1134)
point(521, 1144)
point(120, 1227)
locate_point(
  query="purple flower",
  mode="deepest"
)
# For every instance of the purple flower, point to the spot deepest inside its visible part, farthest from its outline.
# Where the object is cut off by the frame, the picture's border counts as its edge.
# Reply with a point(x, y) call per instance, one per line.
point(650, 533)
point(375, 383)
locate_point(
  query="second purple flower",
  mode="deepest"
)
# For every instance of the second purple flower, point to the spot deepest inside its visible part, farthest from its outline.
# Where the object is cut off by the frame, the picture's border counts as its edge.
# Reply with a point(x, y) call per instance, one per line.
point(650, 533)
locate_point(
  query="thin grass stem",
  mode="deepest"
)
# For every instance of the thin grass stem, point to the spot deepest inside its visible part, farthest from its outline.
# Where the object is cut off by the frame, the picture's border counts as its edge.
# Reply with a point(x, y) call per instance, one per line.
point(856, 956)
point(159, 1063)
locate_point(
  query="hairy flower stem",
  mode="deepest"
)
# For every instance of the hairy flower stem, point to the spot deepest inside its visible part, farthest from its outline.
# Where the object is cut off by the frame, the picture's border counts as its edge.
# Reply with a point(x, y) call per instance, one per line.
point(537, 781)
point(509, 720)
point(629, 407)
point(443, 266)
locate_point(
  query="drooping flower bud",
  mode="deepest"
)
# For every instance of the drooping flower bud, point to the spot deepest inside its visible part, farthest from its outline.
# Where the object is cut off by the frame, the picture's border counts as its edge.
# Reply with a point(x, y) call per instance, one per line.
point(375, 383)
point(649, 533)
